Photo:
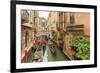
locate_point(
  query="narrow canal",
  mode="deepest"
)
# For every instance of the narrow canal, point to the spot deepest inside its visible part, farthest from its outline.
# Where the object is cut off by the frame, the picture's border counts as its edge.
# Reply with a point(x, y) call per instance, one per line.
point(57, 55)
point(51, 54)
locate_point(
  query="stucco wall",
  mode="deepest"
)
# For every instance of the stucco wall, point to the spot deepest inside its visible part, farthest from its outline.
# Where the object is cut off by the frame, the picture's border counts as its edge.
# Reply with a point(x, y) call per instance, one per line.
point(83, 18)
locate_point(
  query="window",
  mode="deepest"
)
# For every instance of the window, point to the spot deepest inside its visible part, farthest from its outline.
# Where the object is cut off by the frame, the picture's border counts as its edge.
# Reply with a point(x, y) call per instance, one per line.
point(26, 38)
point(24, 16)
point(72, 18)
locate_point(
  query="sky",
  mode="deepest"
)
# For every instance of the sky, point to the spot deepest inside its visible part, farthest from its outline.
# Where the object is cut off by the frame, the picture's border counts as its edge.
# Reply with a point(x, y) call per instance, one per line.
point(43, 14)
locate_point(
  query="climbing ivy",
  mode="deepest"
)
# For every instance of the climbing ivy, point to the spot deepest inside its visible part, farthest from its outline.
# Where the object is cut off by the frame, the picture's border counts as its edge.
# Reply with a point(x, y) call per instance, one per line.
point(82, 47)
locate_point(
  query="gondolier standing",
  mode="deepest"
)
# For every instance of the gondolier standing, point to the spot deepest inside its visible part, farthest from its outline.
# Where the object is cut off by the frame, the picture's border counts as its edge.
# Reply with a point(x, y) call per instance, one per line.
point(43, 44)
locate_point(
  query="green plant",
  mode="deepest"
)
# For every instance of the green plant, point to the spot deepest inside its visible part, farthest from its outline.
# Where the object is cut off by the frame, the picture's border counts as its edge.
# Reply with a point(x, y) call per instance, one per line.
point(82, 47)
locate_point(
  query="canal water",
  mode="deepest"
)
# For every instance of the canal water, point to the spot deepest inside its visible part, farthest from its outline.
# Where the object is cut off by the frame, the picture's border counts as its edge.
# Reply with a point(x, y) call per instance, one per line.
point(50, 54)
point(57, 55)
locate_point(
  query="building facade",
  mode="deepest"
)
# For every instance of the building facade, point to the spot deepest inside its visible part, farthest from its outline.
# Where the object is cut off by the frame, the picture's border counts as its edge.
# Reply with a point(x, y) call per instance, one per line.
point(78, 25)
point(69, 24)
point(52, 22)
point(29, 22)
point(41, 26)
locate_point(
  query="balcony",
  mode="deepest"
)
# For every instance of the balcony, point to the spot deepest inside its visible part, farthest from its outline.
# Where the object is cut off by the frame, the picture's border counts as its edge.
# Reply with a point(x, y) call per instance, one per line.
point(27, 25)
point(75, 29)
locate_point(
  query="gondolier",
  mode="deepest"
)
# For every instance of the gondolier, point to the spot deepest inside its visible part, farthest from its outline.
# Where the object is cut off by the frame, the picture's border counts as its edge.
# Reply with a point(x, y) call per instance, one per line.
point(43, 44)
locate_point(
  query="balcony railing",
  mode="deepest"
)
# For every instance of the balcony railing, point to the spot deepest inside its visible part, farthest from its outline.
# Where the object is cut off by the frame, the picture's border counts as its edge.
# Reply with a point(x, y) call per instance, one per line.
point(75, 29)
